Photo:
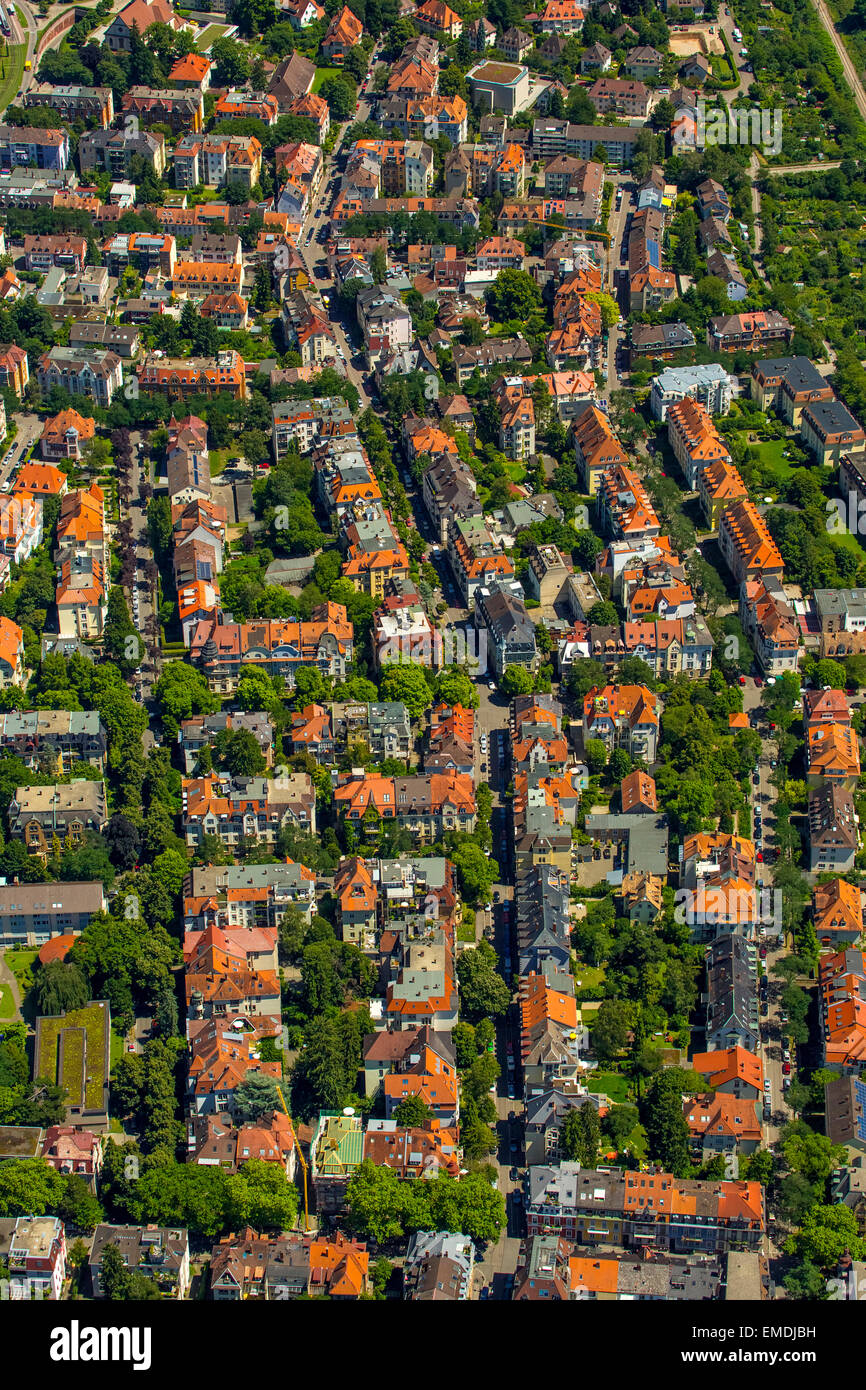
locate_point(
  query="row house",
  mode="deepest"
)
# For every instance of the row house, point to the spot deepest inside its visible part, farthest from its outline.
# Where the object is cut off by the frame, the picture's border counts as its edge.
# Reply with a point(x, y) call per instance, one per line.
point(474, 557)
point(403, 633)
point(82, 372)
point(719, 485)
point(55, 738)
point(426, 806)
point(207, 277)
point(841, 615)
point(596, 448)
point(412, 1060)
point(143, 251)
point(748, 332)
point(66, 812)
point(32, 914)
point(732, 1071)
point(122, 338)
point(281, 647)
point(182, 111)
point(732, 992)
point(286, 1267)
point(624, 508)
point(672, 647)
point(832, 756)
point(14, 368)
point(425, 117)
point(694, 439)
point(73, 103)
point(43, 252)
point(829, 429)
point(302, 424)
point(509, 628)
point(834, 836)
point(221, 1057)
point(660, 341)
point(747, 547)
point(111, 151)
point(160, 1253)
point(217, 159)
point(771, 625)
point(246, 809)
point(207, 729)
point(20, 525)
point(842, 1001)
point(450, 493)
point(216, 1142)
point(837, 913)
point(45, 149)
point(11, 654)
point(250, 899)
point(223, 980)
point(184, 378)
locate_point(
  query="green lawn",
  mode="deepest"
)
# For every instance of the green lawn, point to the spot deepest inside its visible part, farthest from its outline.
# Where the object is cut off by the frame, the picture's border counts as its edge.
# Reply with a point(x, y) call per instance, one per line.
point(13, 64)
point(7, 1004)
point(118, 1043)
point(590, 976)
point(209, 36)
point(610, 1083)
point(218, 459)
point(21, 965)
point(516, 470)
point(322, 74)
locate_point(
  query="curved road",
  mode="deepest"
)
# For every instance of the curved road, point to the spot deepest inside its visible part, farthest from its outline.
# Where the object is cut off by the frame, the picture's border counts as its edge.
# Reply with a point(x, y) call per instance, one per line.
point(851, 74)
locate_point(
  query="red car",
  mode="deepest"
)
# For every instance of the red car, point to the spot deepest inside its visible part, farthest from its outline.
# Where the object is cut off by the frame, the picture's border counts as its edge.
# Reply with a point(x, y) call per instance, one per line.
point(759, 856)
point(763, 953)
point(786, 1068)
point(759, 681)
point(742, 680)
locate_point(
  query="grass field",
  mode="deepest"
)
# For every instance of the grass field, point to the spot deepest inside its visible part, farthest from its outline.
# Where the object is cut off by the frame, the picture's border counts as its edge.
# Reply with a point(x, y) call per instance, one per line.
point(117, 1045)
point(610, 1083)
point(13, 63)
point(322, 74)
point(590, 976)
point(7, 1004)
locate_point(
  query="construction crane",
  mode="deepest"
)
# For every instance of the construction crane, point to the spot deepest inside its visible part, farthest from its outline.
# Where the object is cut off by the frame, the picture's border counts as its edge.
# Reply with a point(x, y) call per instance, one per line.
point(299, 1152)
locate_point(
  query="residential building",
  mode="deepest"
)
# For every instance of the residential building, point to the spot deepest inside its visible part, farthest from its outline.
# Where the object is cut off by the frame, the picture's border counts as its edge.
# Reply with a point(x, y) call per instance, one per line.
point(748, 332)
point(33, 913)
point(82, 372)
point(787, 385)
point(709, 385)
point(438, 1268)
point(623, 716)
point(336, 1151)
point(620, 97)
point(40, 815)
point(246, 809)
point(510, 630)
point(182, 111)
point(732, 1071)
point(842, 1001)
point(73, 103)
point(834, 837)
point(747, 547)
point(644, 1210)
point(837, 913)
point(829, 429)
point(624, 509)
point(159, 1252)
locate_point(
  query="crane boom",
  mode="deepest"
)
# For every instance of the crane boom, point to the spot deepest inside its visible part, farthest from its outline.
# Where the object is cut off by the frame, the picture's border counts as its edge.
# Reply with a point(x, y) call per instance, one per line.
point(300, 1154)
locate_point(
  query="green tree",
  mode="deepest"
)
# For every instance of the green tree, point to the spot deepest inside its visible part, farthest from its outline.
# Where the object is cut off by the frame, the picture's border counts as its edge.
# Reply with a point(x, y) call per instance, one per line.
point(407, 684)
point(826, 1234)
point(483, 992)
point(412, 1113)
point(665, 1123)
point(255, 1096)
point(516, 680)
point(580, 1135)
point(513, 295)
point(60, 986)
point(120, 1284)
point(611, 1029)
point(595, 752)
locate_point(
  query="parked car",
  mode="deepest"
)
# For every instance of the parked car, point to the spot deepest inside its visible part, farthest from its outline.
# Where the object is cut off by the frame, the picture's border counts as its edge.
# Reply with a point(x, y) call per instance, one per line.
point(786, 1068)
point(763, 953)
point(767, 1085)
